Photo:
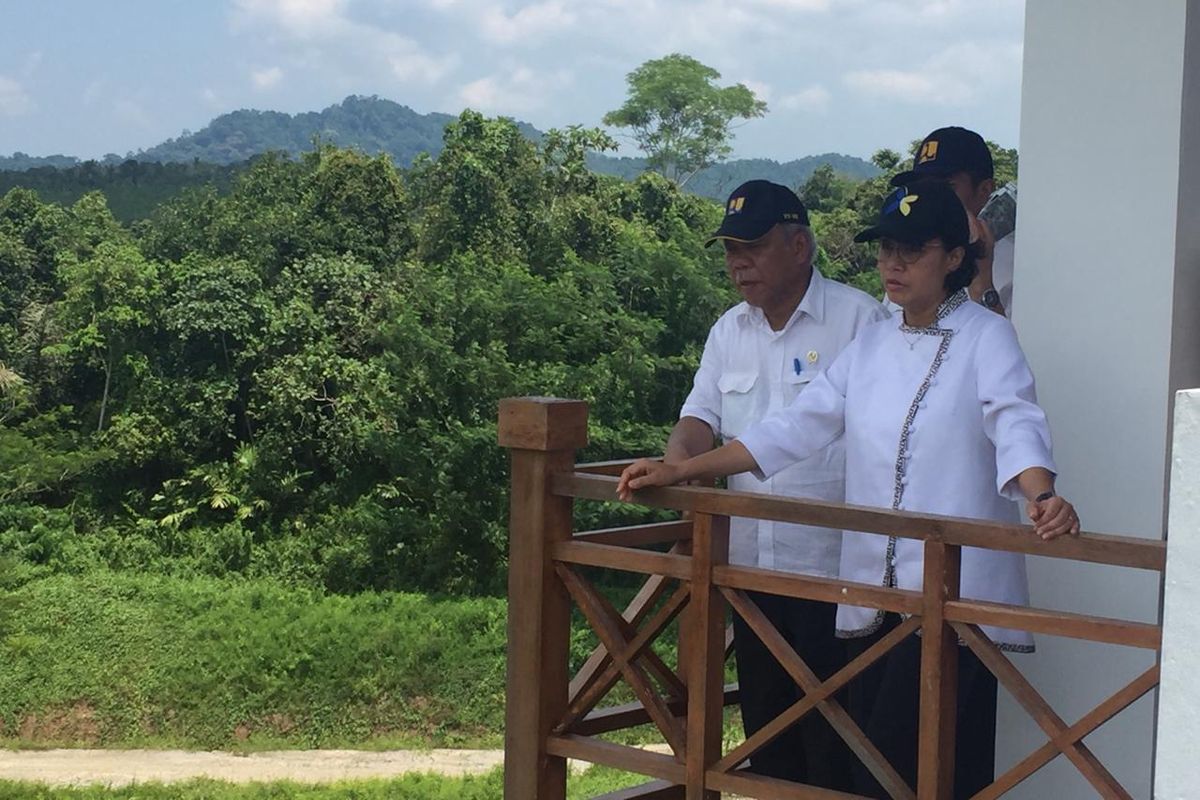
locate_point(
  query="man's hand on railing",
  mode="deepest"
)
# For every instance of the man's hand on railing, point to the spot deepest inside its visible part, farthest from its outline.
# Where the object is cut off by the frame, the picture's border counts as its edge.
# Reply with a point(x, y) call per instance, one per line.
point(647, 472)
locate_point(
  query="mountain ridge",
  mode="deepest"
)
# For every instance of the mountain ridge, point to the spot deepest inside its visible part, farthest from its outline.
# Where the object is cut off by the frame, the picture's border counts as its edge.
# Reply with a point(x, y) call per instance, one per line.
point(377, 125)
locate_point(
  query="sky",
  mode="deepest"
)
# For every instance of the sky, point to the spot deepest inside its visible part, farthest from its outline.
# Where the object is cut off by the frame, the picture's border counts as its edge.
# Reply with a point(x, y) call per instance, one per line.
point(86, 78)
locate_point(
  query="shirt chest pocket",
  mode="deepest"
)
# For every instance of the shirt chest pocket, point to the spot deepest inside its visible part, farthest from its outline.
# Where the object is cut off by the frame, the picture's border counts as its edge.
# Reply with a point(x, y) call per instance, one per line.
point(739, 402)
point(794, 383)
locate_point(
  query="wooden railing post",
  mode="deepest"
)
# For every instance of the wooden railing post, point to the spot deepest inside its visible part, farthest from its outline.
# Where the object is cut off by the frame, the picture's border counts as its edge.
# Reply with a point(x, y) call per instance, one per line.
point(939, 673)
point(704, 654)
point(543, 434)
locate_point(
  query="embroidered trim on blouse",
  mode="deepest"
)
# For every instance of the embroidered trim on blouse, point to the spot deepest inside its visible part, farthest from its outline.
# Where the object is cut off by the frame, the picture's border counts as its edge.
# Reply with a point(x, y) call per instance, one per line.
point(947, 307)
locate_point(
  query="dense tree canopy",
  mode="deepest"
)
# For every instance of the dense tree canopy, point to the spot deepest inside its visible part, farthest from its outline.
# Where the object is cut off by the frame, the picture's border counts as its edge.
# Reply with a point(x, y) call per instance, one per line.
point(299, 378)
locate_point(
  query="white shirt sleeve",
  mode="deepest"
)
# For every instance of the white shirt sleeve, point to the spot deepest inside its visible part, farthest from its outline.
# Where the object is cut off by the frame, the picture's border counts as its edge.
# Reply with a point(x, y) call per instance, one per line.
point(814, 419)
point(1012, 419)
point(704, 401)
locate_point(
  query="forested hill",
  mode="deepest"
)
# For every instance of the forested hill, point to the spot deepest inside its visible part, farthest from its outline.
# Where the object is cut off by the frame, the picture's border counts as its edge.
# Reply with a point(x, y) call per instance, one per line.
point(370, 124)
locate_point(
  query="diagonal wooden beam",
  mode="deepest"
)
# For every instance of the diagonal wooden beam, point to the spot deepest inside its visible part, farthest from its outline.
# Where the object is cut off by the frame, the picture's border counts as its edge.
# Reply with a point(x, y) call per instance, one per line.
point(768, 733)
point(605, 680)
point(637, 611)
point(1101, 714)
point(857, 741)
point(670, 681)
point(596, 611)
point(1047, 719)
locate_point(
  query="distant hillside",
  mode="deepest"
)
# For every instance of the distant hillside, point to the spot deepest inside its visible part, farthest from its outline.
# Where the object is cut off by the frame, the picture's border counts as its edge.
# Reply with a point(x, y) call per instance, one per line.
point(720, 179)
point(133, 189)
point(371, 124)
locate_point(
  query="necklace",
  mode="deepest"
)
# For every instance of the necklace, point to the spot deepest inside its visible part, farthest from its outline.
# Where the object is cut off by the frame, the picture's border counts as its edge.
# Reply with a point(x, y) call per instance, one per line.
point(916, 336)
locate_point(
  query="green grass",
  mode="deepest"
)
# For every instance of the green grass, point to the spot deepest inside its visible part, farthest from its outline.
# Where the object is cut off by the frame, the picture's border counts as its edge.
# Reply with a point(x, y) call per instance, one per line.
point(594, 781)
point(122, 660)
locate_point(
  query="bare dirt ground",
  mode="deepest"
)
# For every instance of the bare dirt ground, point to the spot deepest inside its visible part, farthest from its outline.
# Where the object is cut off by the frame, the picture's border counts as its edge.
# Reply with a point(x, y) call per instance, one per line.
point(123, 767)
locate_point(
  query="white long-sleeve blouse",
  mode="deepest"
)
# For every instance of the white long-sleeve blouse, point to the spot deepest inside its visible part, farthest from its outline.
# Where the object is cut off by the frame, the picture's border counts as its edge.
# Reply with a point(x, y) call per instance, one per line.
point(938, 420)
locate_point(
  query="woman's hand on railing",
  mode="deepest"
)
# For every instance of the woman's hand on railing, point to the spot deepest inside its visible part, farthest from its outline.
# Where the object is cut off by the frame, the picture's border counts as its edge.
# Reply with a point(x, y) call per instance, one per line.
point(647, 472)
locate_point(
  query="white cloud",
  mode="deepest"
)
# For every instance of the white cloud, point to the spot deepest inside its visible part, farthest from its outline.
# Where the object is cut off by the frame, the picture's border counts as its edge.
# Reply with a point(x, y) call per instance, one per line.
point(211, 98)
point(266, 78)
point(520, 90)
point(794, 5)
point(13, 100)
point(322, 35)
point(910, 86)
point(812, 98)
point(301, 18)
point(958, 75)
point(528, 22)
point(414, 67)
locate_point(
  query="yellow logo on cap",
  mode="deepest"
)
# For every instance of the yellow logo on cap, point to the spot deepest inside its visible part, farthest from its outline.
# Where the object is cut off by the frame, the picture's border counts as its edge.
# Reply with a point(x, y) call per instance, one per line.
point(906, 203)
point(735, 205)
point(928, 152)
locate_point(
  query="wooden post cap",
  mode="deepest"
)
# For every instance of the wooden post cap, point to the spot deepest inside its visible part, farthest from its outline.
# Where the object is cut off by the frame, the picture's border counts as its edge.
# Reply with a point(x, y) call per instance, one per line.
point(542, 423)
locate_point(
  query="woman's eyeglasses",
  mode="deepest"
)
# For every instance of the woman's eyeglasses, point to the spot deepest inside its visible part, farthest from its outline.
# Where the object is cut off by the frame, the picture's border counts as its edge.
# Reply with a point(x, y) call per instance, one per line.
point(903, 252)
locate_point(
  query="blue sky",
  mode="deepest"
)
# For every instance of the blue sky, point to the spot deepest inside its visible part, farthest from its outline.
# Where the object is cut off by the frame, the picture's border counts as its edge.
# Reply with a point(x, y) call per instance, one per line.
point(86, 77)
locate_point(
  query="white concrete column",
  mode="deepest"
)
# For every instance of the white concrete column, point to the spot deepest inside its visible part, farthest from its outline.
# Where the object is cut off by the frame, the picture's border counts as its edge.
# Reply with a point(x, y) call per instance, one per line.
point(1106, 303)
point(1177, 768)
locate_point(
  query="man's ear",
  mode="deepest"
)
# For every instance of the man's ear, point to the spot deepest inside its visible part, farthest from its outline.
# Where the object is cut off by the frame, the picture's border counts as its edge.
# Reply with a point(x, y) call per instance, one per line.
point(986, 187)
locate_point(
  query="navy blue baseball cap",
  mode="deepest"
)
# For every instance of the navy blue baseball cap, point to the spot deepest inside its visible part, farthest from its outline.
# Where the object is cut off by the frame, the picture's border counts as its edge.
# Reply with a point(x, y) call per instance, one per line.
point(919, 212)
point(754, 208)
point(947, 151)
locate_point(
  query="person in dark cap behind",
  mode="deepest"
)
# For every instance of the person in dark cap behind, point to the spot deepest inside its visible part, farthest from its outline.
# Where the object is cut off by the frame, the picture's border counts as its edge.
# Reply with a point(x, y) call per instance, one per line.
point(939, 416)
point(759, 356)
point(961, 158)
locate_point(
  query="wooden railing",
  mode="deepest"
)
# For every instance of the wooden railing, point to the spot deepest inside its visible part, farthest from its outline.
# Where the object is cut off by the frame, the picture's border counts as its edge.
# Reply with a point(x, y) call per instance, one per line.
point(551, 716)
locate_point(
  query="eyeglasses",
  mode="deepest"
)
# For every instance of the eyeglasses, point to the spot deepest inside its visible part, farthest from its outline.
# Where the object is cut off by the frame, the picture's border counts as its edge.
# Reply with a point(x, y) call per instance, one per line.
point(903, 252)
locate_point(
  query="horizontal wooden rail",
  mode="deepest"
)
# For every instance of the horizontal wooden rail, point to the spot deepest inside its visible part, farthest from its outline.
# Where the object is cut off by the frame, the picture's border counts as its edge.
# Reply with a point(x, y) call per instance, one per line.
point(627, 715)
point(749, 785)
point(1056, 623)
point(806, 587)
point(640, 535)
point(1120, 551)
point(604, 467)
point(617, 756)
point(646, 562)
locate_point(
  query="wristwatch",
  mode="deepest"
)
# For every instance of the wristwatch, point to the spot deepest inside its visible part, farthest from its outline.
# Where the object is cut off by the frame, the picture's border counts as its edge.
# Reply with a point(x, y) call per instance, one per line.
point(990, 298)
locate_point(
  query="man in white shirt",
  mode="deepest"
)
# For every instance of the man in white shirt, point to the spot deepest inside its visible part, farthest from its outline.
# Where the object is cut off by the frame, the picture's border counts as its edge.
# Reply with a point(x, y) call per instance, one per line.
point(962, 158)
point(759, 357)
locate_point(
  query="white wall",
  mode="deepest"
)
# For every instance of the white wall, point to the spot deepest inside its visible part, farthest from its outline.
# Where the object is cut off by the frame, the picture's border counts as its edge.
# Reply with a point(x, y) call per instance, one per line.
point(1098, 263)
point(1177, 769)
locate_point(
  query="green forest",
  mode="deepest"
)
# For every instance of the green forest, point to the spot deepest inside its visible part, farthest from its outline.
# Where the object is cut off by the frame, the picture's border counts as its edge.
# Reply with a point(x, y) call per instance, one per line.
point(250, 492)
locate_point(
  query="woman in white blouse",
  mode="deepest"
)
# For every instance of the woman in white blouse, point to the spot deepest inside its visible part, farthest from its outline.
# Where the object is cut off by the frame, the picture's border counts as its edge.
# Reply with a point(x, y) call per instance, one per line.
point(940, 416)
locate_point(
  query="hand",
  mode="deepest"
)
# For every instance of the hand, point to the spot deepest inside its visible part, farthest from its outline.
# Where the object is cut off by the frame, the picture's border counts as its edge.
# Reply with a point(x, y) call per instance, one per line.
point(645, 472)
point(1053, 517)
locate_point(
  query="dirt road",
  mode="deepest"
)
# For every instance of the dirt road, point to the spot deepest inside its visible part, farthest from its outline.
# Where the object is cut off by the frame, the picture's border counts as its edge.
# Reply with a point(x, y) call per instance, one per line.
point(122, 767)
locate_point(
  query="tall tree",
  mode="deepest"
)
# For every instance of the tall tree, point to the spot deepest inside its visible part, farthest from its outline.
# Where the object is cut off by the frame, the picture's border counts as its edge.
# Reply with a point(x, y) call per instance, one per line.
point(680, 117)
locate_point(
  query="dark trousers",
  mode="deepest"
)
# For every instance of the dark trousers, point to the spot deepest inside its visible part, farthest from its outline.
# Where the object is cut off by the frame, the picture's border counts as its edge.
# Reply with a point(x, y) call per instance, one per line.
point(810, 751)
point(885, 702)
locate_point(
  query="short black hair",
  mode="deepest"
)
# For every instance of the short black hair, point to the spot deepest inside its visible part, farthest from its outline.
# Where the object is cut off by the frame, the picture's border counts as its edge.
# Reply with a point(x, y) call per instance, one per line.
point(961, 277)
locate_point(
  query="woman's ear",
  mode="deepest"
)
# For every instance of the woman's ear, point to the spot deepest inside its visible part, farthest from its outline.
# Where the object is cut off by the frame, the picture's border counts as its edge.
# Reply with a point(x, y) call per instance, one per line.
point(954, 258)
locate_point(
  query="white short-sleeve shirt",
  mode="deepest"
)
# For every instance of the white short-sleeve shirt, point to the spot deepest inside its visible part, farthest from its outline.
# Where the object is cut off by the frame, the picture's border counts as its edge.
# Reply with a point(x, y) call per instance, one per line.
point(749, 371)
